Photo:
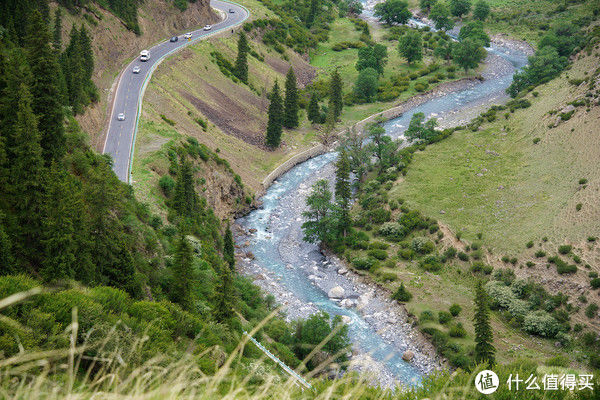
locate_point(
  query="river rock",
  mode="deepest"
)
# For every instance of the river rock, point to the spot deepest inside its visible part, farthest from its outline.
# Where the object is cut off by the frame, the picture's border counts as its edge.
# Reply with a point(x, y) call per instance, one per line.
point(342, 271)
point(408, 356)
point(252, 230)
point(336, 292)
point(348, 303)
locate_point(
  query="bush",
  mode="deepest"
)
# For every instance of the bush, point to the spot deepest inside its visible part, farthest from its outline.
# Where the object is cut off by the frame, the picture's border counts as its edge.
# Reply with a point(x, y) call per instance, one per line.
point(540, 254)
point(444, 317)
point(167, 120)
point(402, 295)
point(406, 254)
point(591, 310)
point(167, 184)
point(595, 283)
point(379, 245)
point(583, 181)
point(422, 245)
point(565, 249)
point(426, 315)
point(431, 264)
point(364, 263)
point(450, 253)
point(393, 231)
point(463, 256)
point(457, 330)
point(379, 254)
point(455, 309)
point(541, 323)
point(529, 244)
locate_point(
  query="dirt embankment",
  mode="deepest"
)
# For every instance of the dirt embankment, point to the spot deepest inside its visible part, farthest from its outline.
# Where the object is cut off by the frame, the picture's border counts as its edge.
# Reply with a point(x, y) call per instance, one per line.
point(114, 44)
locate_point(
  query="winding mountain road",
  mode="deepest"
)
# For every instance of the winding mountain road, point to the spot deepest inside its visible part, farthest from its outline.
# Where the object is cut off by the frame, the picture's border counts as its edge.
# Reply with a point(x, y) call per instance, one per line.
point(129, 93)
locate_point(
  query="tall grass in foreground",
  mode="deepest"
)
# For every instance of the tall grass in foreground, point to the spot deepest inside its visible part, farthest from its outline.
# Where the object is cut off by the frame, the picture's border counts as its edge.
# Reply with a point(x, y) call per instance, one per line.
point(97, 369)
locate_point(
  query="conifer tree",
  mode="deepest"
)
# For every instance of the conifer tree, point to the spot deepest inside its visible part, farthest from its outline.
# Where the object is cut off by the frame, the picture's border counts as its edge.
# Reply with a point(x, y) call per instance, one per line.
point(312, 12)
point(290, 118)
point(26, 177)
point(336, 100)
point(224, 294)
point(241, 62)
point(60, 210)
point(484, 348)
point(313, 113)
point(72, 63)
point(275, 123)
point(402, 295)
point(343, 192)
point(87, 54)
point(45, 89)
point(229, 248)
point(183, 274)
point(57, 32)
point(185, 199)
point(6, 258)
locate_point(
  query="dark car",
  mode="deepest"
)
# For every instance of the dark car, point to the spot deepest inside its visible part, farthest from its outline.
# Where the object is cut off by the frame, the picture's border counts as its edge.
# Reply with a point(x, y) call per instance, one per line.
point(174, 38)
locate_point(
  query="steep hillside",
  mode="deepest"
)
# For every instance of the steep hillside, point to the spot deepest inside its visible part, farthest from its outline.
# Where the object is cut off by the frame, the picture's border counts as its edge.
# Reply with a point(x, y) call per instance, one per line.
point(114, 44)
point(531, 176)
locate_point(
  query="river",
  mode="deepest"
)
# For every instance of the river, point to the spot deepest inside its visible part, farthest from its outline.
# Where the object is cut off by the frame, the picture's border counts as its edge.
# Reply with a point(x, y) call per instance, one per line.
point(299, 276)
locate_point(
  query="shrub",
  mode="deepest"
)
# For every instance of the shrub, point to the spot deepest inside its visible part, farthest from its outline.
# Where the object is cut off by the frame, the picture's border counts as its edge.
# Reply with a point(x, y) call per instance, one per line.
point(422, 245)
point(536, 140)
point(558, 361)
point(402, 295)
point(431, 264)
point(540, 253)
point(505, 259)
point(578, 206)
point(167, 184)
point(167, 120)
point(541, 323)
point(595, 283)
point(565, 249)
point(463, 256)
point(426, 315)
point(444, 317)
point(364, 263)
point(583, 181)
point(529, 244)
point(457, 330)
point(379, 254)
point(379, 245)
point(591, 310)
point(450, 253)
point(455, 309)
point(421, 86)
point(393, 231)
point(406, 254)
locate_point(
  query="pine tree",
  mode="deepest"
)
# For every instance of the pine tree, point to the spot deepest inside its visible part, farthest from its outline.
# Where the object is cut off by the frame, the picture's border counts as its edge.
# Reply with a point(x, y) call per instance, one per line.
point(343, 192)
point(60, 210)
point(336, 100)
point(313, 113)
point(312, 12)
point(6, 258)
point(45, 89)
point(275, 123)
point(224, 295)
point(290, 119)
point(72, 63)
point(402, 295)
point(185, 199)
point(26, 177)
point(87, 57)
point(229, 248)
point(57, 32)
point(241, 62)
point(183, 274)
point(484, 349)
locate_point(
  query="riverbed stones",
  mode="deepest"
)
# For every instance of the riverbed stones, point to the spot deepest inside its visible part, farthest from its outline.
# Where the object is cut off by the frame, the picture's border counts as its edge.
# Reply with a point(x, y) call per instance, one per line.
point(342, 271)
point(347, 303)
point(336, 292)
point(408, 356)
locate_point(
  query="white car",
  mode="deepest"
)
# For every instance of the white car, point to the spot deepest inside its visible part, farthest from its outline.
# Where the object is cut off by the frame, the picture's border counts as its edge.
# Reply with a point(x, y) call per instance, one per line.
point(207, 27)
point(136, 69)
point(188, 35)
point(121, 117)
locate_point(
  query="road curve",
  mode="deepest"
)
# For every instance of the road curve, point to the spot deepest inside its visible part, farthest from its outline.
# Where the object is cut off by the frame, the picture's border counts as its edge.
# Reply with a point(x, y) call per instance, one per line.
point(129, 93)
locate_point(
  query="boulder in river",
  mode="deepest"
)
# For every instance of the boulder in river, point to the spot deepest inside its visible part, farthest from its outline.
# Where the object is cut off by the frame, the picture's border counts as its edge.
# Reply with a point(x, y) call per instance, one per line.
point(408, 356)
point(342, 271)
point(336, 292)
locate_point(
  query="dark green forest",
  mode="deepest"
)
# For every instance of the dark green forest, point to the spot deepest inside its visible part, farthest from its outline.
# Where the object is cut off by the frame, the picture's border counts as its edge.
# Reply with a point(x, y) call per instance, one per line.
point(67, 224)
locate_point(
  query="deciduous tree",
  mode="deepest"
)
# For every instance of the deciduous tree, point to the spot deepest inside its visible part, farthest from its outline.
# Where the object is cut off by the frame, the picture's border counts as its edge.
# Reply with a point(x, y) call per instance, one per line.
point(410, 46)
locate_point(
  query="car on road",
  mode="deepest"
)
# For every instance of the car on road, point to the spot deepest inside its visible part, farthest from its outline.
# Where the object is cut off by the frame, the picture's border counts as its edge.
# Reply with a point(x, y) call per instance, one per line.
point(144, 55)
point(231, 10)
point(174, 39)
point(121, 117)
point(207, 27)
point(136, 69)
point(188, 35)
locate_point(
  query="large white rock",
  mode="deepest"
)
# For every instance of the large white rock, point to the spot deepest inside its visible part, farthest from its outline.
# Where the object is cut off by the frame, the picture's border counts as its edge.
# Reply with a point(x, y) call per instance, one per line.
point(408, 356)
point(336, 292)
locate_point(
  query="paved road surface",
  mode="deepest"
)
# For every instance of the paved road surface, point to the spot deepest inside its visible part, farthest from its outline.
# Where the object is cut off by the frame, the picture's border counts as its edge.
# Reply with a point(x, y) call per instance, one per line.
point(130, 89)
